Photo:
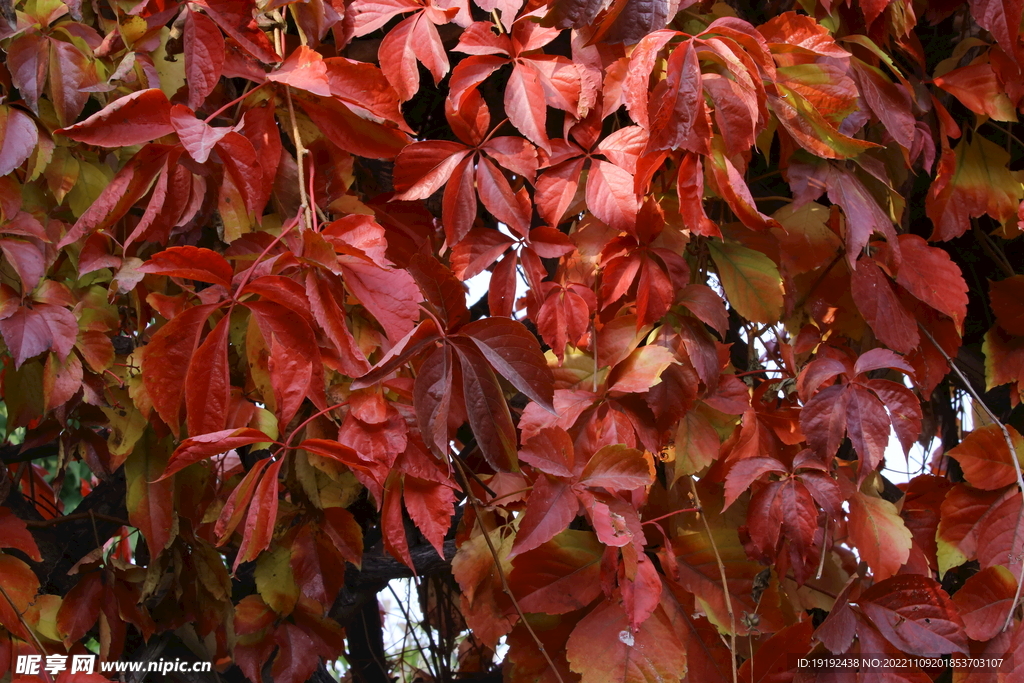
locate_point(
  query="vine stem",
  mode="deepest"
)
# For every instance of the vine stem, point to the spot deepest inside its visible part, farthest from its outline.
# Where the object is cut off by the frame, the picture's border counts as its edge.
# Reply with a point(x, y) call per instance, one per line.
point(501, 572)
point(725, 582)
point(24, 624)
point(39, 524)
point(1009, 444)
point(300, 152)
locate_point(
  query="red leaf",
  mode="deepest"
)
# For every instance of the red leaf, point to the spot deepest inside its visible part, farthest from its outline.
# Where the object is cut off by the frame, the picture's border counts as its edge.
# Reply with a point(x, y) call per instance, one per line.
point(259, 523)
point(204, 57)
point(1007, 298)
point(559, 576)
point(303, 69)
point(14, 534)
point(81, 607)
point(986, 459)
point(610, 195)
point(915, 615)
point(432, 396)
point(882, 310)
point(1002, 19)
point(245, 171)
point(618, 468)
point(486, 408)
point(236, 18)
point(296, 658)
point(31, 331)
point(391, 296)
point(197, 448)
point(863, 214)
point(514, 353)
point(510, 208)
point(208, 383)
point(551, 507)
point(1001, 538)
point(984, 601)
point(526, 104)
point(441, 289)
point(774, 660)
point(19, 138)
point(392, 523)
point(677, 105)
point(196, 136)
point(431, 506)
point(28, 59)
point(21, 585)
point(423, 168)
point(879, 534)
point(604, 645)
point(324, 305)
point(351, 132)
point(167, 357)
point(930, 275)
point(194, 263)
point(27, 260)
point(414, 38)
point(131, 120)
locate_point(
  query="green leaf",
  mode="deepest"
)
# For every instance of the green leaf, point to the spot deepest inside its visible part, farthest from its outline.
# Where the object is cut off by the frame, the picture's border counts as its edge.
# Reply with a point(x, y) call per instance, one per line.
point(751, 280)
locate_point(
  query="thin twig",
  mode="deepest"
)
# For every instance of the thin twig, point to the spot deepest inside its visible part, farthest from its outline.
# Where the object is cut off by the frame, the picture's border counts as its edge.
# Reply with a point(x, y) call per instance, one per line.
point(501, 572)
point(24, 625)
point(1009, 444)
point(725, 583)
point(824, 545)
point(43, 523)
point(411, 629)
point(300, 153)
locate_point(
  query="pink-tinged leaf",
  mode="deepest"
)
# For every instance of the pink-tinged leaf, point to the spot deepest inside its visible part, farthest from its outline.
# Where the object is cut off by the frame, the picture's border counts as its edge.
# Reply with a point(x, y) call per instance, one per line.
point(618, 468)
point(559, 576)
point(14, 534)
point(598, 650)
point(31, 331)
point(27, 260)
point(551, 507)
point(166, 359)
point(486, 408)
point(516, 355)
point(262, 517)
point(193, 263)
point(131, 120)
point(984, 601)
point(28, 57)
point(1002, 19)
point(883, 311)
point(197, 448)
point(208, 383)
point(610, 195)
point(915, 615)
point(197, 137)
point(863, 214)
point(879, 534)
point(70, 73)
point(204, 57)
point(19, 138)
point(304, 69)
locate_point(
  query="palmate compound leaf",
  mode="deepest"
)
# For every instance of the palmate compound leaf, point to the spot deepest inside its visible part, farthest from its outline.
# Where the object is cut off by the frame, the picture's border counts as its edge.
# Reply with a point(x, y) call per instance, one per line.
point(604, 648)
